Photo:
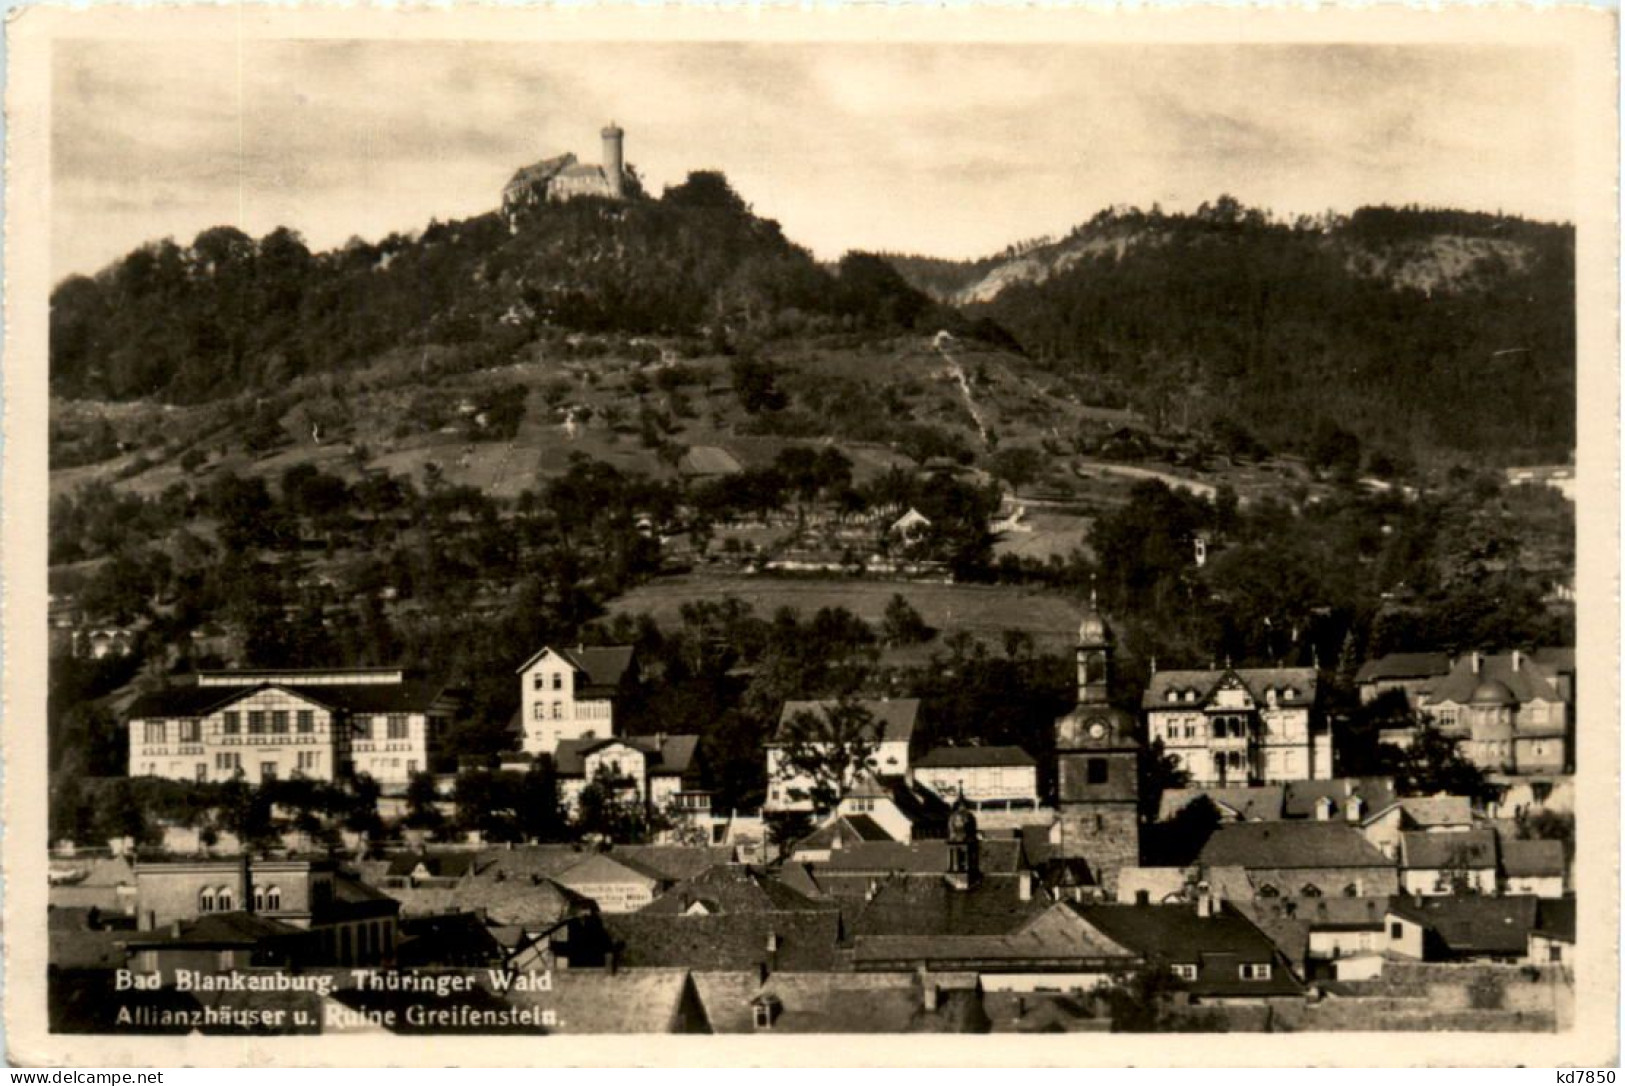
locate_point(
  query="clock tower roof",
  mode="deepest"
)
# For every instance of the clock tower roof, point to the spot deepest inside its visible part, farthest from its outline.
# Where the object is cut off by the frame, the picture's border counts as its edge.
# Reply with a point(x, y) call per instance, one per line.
point(1097, 727)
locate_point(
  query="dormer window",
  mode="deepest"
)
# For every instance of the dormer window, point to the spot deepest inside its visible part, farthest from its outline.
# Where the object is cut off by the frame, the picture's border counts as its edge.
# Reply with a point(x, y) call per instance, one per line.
point(1173, 695)
point(764, 1011)
point(1291, 694)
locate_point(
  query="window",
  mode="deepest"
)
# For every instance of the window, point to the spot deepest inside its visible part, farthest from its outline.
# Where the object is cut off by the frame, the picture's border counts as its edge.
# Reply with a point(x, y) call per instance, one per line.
point(411, 765)
point(279, 721)
point(558, 680)
point(363, 727)
point(1184, 970)
point(1255, 971)
point(224, 902)
point(1268, 891)
point(1309, 890)
point(191, 731)
point(1095, 771)
point(305, 720)
point(231, 723)
point(539, 711)
point(273, 898)
point(267, 771)
point(538, 681)
point(558, 710)
point(309, 759)
point(1396, 930)
point(1554, 954)
point(228, 760)
point(1173, 695)
point(153, 732)
point(203, 771)
point(256, 722)
point(205, 900)
point(397, 725)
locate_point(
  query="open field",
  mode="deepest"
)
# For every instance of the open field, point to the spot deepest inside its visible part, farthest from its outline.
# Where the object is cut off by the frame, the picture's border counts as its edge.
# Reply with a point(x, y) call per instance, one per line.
point(983, 611)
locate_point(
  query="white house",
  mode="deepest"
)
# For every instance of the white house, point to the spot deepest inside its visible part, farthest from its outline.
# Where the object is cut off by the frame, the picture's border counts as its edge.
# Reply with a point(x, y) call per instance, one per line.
point(277, 724)
point(894, 735)
point(660, 772)
point(616, 884)
point(570, 694)
point(1435, 863)
point(980, 774)
point(1507, 711)
point(1532, 867)
point(1241, 725)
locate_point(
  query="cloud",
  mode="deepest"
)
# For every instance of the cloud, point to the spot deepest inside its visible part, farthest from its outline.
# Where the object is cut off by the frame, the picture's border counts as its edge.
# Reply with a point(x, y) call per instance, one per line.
point(946, 148)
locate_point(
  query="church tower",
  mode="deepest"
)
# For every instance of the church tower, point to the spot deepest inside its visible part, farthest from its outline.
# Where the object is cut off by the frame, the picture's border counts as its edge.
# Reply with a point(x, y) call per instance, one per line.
point(1097, 751)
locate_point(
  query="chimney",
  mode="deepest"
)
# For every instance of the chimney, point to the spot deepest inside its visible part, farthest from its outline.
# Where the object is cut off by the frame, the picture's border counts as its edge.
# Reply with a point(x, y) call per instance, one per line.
point(1517, 659)
point(175, 927)
point(1477, 662)
point(1024, 884)
point(929, 995)
point(1206, 907)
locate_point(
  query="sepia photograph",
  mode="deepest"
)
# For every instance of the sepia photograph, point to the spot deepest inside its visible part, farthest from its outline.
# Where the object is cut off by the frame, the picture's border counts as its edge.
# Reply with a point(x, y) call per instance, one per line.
point(557, 528)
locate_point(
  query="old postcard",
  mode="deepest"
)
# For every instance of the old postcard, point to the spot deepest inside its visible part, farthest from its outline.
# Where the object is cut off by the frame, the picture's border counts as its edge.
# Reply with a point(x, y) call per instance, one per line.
point(548, 525)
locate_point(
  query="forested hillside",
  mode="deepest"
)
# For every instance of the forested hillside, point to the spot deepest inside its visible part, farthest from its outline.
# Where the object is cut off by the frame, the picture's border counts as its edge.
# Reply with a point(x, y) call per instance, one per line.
point(1418, 331)
point(230, 313)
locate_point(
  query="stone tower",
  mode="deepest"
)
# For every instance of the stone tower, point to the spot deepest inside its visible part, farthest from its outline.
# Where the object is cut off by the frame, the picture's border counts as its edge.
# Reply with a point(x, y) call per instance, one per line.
point(1097, 751)
point(614, 167)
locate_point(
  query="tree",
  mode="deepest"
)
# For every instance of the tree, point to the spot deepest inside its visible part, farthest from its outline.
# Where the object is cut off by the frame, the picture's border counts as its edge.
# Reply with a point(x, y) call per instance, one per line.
point(755, 383)
point(1159, 771)
point(422, 809)
point(785, 828)
point(604, 811)
point(1433, 763)
point(1017, 465)
point(902, 624)
point(823, 754)
point(540, 818)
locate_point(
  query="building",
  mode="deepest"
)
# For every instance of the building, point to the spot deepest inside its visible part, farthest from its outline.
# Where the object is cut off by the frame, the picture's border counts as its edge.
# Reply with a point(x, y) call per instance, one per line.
point(615, 883)
point(659, 773)
point(1533, 867)
point(234, 942)
point(571, 694)
point(1214, 951)
point(1298, 859)
point(1241, 725)
point(1448, 863)
point(1002, 775)
point(349, 922)
point(565, 178)
point(1506, 711)
point(1462, 928)
point(892, 736)
point(1440, 814)
point(1097, 752)
point(1551, 941)
point(1408, 672)
point(269, 724)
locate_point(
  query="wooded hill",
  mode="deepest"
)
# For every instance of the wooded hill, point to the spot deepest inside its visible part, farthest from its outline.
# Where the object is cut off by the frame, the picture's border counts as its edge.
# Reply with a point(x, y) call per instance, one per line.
point(1419, 330)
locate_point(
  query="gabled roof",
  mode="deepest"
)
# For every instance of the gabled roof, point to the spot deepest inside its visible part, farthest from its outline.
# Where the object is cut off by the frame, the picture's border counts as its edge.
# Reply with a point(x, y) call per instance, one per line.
point(913, 905)
point(440, 865)
point(1529, 681)
point(895, 716)
point(1290, 845)
point(665, 755)
point(805, 939)
point(538, 173)
point(837, 1003)
point(732, 888)
point(601, 868)
point(643, 1002)
point(1440, 810)
point(604, 666)
point(997, 855)
point(1178, 933)
point(1052, 937)
point(1471, 849)
point(846, 829)
point(189, 699)
point(1258, 803)
point(1403, 665)
point(1558, 659)
point(1532, 859)
point(1302, 682)
point(1302, 797)
point(1472, 923)
point(233, 929)
point(974, 757)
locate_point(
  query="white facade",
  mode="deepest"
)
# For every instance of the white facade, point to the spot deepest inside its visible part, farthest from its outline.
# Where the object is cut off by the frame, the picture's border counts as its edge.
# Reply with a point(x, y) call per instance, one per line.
point(552, 706)
point(1231, 737)
point(271, 734)
point(1436, 882)
point(979, 783)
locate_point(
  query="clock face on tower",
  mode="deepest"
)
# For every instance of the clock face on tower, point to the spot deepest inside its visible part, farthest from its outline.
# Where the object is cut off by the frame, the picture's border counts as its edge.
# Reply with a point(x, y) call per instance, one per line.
point(1097, 727)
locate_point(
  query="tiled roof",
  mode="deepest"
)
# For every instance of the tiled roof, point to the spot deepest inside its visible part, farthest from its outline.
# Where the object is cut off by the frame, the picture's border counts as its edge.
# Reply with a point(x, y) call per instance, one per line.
point(601, 868)
point(533, 901)
point(628, 1001)
point(440, 865)
point(847, 829)
point(1556, 658)
point(970, 757)
point(674, 862)
point(1555, 918)
point(1375, 792)
point(538, 173)
point(1303, 682)
point(997, 856)
point(1178, 933)
point(806, 939)
point(667, 755)
point(896, 716)
point(919, 905)
point(1472, 849)
point(732, 888)
point(1528, 682)
point(1290, 845)
point(1438, 810)
point(1474, 924)
point(1403, 665)
point(1532, 859)
point(835, 1003)
point(1054, 935)
point(604, 667)
point(218, 930)
point(1257, 803)
point(413, 696)
point(1320, 913)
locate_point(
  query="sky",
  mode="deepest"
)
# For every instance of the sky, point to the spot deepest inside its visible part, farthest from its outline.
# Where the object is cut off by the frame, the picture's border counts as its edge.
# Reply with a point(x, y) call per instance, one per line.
point(941, 149)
